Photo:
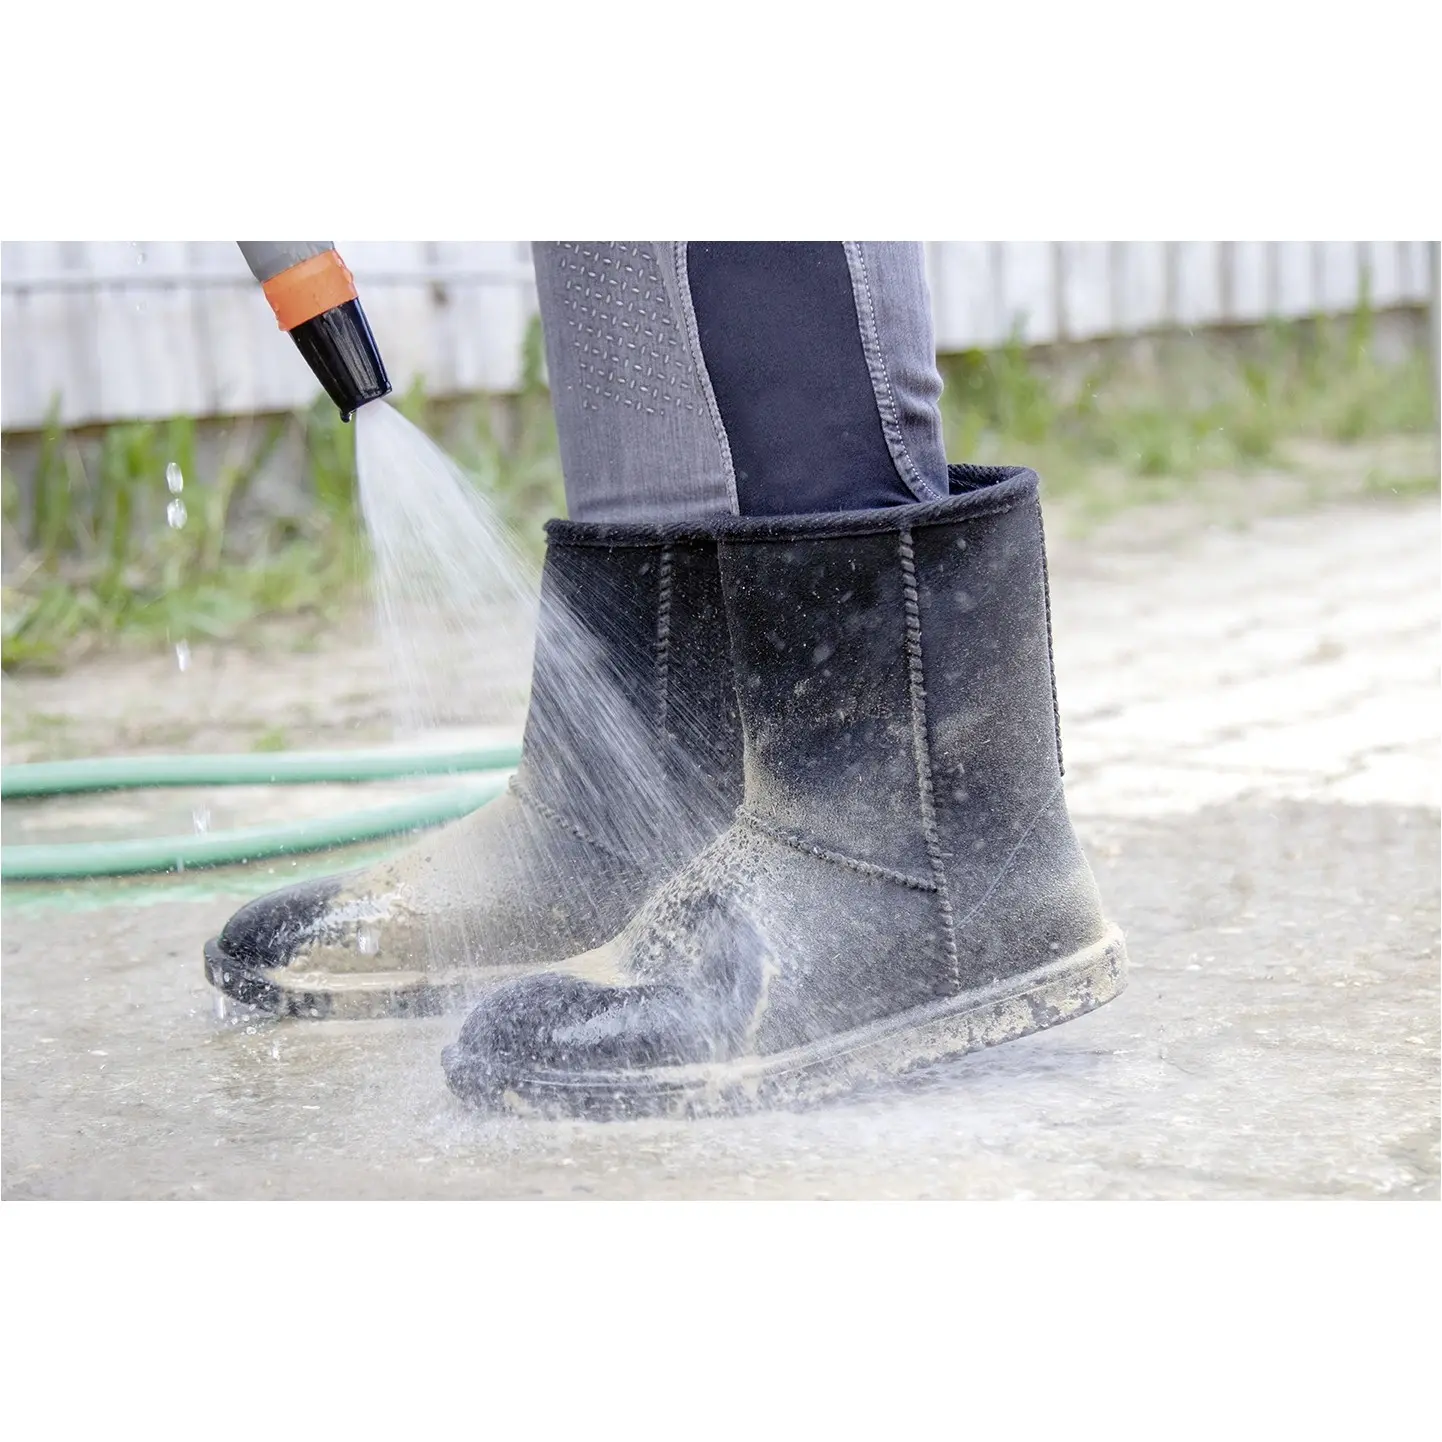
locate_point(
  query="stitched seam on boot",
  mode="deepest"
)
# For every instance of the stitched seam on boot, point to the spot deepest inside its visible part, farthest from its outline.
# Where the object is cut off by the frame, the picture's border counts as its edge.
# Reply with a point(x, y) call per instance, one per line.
point(565, 823)
point(836, 858)
point(1050, 652)
point(663, 638)
point(921, 745)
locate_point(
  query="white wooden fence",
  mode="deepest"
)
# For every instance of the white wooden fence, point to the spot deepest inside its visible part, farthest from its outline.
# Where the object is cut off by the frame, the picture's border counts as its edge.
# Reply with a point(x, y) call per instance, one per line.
point(144, 329)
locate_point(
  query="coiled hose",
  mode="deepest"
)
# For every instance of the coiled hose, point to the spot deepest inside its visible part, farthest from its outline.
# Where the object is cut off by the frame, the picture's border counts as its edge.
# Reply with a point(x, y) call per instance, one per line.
point(489, 768)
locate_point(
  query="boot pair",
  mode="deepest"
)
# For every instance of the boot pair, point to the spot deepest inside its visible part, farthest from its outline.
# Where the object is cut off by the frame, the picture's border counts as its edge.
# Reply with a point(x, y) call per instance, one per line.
point(789, 818)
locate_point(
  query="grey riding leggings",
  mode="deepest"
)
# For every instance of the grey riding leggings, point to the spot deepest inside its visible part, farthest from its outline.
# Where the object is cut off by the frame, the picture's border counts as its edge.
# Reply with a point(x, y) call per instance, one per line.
point(693, 379)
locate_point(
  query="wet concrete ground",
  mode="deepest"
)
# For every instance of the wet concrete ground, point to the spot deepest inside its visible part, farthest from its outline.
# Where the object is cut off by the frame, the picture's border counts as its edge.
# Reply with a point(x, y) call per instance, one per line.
point(1278, 1039)
point(1252, 735)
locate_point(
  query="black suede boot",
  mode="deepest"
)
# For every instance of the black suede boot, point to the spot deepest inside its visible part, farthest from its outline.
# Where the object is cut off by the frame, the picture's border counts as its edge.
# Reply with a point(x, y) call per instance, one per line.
point(631, 764)
point(902, 882)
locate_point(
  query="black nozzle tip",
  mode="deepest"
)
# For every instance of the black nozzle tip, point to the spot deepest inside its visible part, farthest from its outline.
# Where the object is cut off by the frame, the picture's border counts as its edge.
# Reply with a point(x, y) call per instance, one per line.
point(339, 347)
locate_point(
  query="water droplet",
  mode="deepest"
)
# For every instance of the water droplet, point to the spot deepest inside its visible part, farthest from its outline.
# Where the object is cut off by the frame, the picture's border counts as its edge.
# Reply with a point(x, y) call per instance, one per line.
point(175, 513)
point(200, 815)
point(174, 479)
point(368, 941)
point(182, 655)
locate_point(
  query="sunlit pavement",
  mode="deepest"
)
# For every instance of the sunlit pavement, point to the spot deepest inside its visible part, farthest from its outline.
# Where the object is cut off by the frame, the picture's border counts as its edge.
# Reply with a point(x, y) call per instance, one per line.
point(1252, 730)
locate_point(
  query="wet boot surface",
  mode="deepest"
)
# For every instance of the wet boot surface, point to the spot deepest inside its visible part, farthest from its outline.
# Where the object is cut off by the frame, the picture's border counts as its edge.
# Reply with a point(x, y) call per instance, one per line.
point(902, 882)
point(631, 764)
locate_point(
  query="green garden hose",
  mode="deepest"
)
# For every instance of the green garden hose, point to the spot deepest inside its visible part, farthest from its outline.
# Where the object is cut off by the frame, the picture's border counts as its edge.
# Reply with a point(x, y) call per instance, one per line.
point(176, 853)
point(281, 768)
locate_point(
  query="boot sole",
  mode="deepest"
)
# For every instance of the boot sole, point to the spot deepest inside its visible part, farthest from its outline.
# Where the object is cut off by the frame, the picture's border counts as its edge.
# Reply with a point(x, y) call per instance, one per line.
point(988, 1016)
point(366, 996)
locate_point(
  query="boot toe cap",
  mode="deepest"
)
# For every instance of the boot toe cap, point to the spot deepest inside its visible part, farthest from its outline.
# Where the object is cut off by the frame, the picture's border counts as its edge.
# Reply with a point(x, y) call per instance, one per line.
point(541, 1029)
point(562, 1022)
point(545, 1031)
point(266, 932)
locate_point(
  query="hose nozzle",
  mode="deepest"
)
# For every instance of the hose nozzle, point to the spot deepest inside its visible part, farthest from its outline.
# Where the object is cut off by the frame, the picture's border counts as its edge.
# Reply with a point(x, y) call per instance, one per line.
point(314, 299)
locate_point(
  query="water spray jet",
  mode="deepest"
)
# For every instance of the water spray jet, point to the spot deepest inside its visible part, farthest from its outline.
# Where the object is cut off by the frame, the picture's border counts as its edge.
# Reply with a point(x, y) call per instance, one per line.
point(314, 298)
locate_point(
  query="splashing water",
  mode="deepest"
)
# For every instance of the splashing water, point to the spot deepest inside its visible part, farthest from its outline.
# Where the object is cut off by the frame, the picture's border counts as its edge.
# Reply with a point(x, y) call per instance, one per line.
point(459, 608)
point(460, 612)
point(455, 599)
point(175, 518)
point(175, 482)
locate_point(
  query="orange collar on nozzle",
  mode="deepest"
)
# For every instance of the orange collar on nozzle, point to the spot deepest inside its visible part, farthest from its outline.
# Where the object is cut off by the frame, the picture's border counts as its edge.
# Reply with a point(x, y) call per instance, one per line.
point(314, 298)
point(304, 291)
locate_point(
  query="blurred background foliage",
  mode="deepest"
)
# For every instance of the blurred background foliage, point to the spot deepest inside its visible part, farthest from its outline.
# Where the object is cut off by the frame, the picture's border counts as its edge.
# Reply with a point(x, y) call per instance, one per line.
point(91, 560)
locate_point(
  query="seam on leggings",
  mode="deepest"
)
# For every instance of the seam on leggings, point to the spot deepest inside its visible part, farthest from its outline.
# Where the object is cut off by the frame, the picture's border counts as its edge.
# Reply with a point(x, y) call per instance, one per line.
point(921, 745)
point(836, 858)
point(556, 818)
point(677, 255)
point(663, 638)
point(1050, 649)
point(881, 385)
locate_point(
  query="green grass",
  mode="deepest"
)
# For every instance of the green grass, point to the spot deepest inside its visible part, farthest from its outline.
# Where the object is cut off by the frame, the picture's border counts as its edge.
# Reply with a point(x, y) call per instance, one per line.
point(100, 561)
point(1195, 406)
point(1403, 487)
point(273, 738)
point(98, 565)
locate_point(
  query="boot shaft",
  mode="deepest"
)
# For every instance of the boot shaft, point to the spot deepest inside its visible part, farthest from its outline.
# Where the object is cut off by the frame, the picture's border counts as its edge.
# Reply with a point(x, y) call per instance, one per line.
point(633, 733)
point(896, 689)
